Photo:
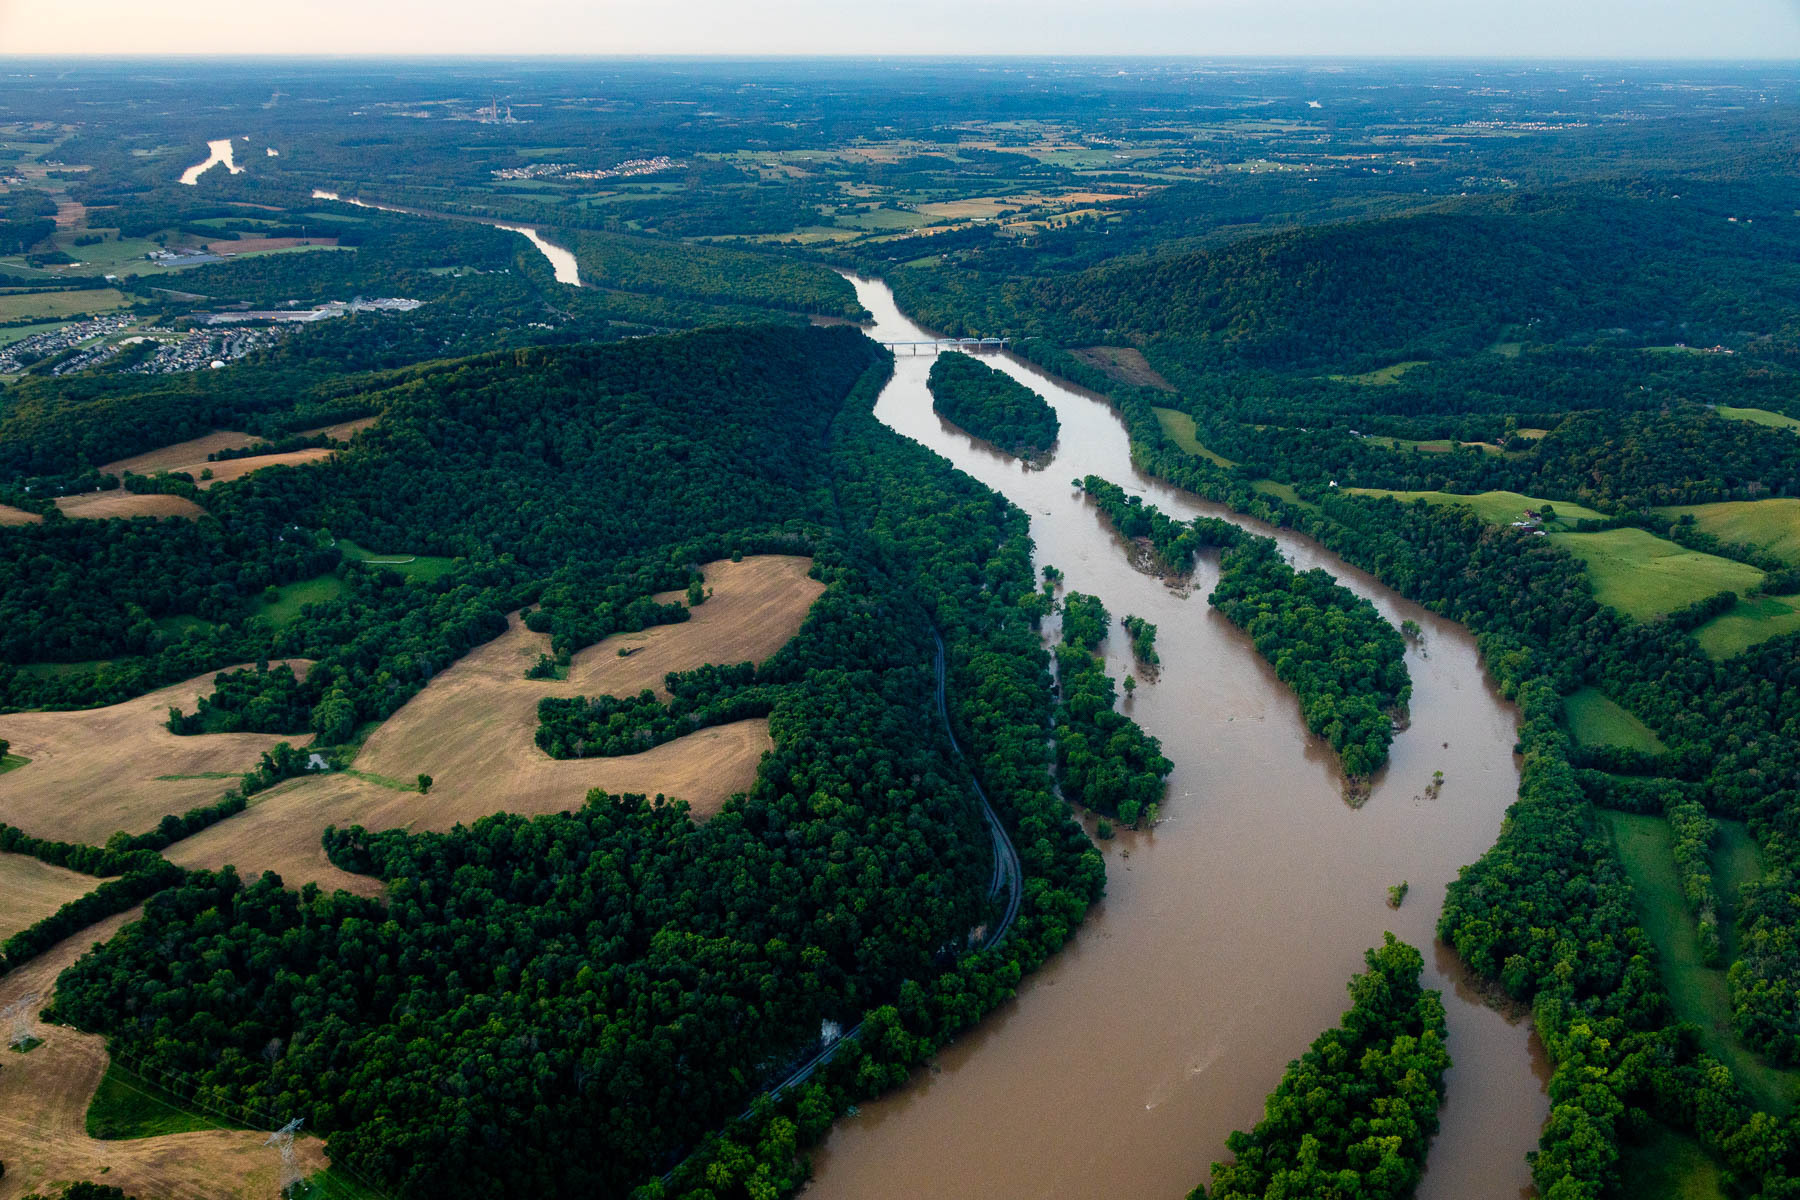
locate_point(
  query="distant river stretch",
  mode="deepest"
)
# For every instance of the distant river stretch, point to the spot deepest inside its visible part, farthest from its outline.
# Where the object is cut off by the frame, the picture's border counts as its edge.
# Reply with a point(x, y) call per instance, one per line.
point(1227, 933)
point(562, 261)
point(221, 155)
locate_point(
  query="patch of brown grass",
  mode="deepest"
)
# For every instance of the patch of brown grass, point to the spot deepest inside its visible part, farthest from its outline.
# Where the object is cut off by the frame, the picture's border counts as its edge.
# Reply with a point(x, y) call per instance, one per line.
point(98, 506)
point(473, 730)
point(237, 468)
point(31, 890)
point(44, 1097)
point(252, 245)
point(95, 771)
point(171, 458)
point(342, 431)
point(17, 516)
point(190, 458)
point(1124, 363)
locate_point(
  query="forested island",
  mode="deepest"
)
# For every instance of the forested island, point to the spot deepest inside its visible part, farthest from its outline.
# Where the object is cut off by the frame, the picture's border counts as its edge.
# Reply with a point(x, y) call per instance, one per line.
point(992, 405)
point(1345, 663)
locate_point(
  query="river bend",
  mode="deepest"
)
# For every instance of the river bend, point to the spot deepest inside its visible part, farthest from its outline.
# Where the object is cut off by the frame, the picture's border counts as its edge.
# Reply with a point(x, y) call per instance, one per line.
point(1227, 933)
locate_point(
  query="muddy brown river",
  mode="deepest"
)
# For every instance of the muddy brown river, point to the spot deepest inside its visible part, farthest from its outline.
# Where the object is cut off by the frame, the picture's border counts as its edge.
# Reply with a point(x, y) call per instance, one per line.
point(1228, 932)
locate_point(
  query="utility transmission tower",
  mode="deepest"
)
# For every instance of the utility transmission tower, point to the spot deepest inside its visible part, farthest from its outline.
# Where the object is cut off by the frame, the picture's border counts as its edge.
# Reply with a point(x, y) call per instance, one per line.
point(283, 1140)
point(17, 1016)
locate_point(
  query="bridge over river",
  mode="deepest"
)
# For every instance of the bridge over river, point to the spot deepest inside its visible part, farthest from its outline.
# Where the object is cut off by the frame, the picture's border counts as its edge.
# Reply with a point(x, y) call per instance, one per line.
point(936, 345)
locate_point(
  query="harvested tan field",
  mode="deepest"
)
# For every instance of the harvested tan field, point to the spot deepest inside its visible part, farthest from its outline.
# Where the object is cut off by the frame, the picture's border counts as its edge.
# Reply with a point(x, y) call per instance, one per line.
point(44, 1097)
point(190, 457)
point(98, 506)
point(170, 458)
point(31, 890)
point(342, 431)
point(473, 729)
point(280, 830)
point(252, 245)
point(17, 516)
point(95, 771)
point(237, 468)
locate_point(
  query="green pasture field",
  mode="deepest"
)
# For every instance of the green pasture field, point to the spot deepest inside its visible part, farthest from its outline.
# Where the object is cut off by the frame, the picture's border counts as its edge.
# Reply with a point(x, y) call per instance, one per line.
point(295, 596)
point(1772, 524)
point(17, 307)
point(880, 220)
point(416, 566)
point(19, 333)
point(1180, 428)
point(126, 1105)
point(1596, 720)
point(1496, 508)
point(1697, 993)
point(1380, 376)
point(1435, 445)
point(1644, 576)
point(1737, 860)
point(1670, 1165)
point(1752, 621)
point(1760, 416)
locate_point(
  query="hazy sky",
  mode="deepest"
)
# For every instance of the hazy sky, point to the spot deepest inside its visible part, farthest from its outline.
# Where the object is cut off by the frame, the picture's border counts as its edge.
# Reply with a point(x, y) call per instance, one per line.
point(1500, 28)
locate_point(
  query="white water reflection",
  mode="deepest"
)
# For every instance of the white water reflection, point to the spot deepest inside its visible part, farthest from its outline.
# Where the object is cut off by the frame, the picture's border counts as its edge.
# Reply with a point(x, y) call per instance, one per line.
point(220, 156)
point(562, 260)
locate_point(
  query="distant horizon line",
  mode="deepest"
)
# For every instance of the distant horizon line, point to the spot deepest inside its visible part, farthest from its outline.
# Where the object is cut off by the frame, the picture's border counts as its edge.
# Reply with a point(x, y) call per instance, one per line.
point(867, 56)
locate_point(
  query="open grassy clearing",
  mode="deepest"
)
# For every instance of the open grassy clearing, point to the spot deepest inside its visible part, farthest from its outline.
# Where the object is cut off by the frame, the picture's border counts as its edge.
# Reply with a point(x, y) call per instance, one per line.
point(1496, 508)
point(292, 597)
point(1596, 720)
point(1644, 576)
point(12, 762)
point(1435, 445)
point(1669, 1166)
point(473, 731)
point(1124, 363)
point(127, 1105)
point(44, 1102)
point(1380, 376)
point(18, 306)
point(99, 770)
point(31, 890)
point(1697, 993)
point(114, 256)
point(1759, 416)
point(232, 246)
point(17, 516)
point(1737, 861)
point(1772, 524)
point(1281, 491)
point(1180, 429)
point(419, 566)
point(1750, 622)
point(101, 506)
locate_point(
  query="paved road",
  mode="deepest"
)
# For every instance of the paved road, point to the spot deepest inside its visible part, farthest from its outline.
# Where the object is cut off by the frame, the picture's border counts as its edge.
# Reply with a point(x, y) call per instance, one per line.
point(1008, 876)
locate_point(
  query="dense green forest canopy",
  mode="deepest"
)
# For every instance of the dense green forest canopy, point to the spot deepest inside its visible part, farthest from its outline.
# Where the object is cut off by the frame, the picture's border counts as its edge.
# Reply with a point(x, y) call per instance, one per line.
point(709, 955)
point(992, 405)
point(1354, 279)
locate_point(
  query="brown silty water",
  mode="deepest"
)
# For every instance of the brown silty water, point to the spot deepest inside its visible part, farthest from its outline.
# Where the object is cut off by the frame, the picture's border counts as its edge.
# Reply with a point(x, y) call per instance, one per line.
point(1229, 931)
